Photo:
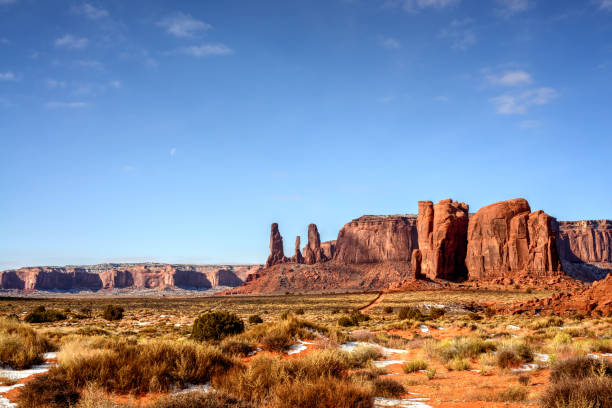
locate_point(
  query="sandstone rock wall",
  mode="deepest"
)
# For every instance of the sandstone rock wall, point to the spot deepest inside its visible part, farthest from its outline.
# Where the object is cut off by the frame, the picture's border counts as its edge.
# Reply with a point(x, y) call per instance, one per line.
point(442, 238)
point(586, 241)
point(297, 257)
point(505, 240)
point(377, 238)
point(122, 276)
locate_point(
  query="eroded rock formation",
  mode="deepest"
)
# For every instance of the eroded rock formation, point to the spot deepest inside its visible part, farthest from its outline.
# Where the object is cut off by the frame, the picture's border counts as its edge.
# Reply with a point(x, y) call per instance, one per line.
point(377, 238)
point(123, 276)
point(442, 237)
point(297, 257)
point(329, 248)
point(313, 253)
point(277, 253)
point(505, 239)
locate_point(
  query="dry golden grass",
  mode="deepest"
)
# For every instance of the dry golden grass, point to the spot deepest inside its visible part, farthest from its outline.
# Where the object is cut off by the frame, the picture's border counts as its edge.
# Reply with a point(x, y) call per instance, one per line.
point(20, 345)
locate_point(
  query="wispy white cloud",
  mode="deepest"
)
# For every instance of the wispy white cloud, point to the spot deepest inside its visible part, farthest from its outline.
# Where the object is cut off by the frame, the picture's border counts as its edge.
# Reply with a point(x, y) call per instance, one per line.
point(71, 42)
point(389, 43)
point(519, 103)
point(66, 105)
point(605, 4)
point(4, 41)
point(205, 50)
point(6, 2)
point(460, 34)
point(115, 84)
point(7, 76)
point(90, 11)
point(172, 151)
point(54, 83)
point(508, 8)
point(183, 25)
point(509, 78)
point(412, 6)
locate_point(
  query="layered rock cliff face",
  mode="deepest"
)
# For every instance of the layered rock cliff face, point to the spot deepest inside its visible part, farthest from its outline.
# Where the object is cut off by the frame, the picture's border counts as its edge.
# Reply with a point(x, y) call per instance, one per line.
point(297, 257)
point(123, 276)
point(506, 240)
point(442, 237)
point(585, 248)
point(277, 252)
point(377, 238)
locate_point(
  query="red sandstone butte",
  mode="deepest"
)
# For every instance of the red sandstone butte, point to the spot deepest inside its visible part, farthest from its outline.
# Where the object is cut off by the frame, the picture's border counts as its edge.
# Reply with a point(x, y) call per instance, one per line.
point(313, 253)
point(377, 238)
point(277, 253)
point(442, 236)
point(506, 240)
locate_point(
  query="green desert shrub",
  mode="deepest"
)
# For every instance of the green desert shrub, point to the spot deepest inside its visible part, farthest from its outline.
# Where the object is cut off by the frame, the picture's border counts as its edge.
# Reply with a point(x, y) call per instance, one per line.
point(216, 326)
point(387, 387)
point(20, 345)
point(113, 312)
point(42, 315)
point(459, 347)
point(411, 313)
point(414, 365)
point(255, 319)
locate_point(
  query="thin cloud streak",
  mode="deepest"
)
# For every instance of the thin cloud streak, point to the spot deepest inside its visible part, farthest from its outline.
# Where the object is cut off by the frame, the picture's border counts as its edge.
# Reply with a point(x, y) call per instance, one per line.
point(183, 25)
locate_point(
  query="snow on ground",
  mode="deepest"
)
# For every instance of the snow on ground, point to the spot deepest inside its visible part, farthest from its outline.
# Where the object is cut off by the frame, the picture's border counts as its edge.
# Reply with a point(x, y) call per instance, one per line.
point(384, 363)
point(524, 368)
point(424, 329)
point(21, 374)
point(257, 350)
point(350, 346)
point(5, 403)
point(196, 387)
point(513, 327)
point(297, 348)
point(401, 403)
point(542, 357)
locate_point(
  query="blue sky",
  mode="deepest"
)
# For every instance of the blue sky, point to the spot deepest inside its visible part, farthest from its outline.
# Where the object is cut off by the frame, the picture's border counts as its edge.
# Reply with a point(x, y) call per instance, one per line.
point(178, 131)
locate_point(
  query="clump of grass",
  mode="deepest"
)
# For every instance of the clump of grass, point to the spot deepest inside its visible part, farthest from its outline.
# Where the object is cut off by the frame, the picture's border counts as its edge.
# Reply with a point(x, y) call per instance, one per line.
point(113, 312)
point(459, 347)
point(216, 326)
point(591, 392)
point(236, 347)
point(430, 373)
point(155, 366)
point(42, 315)
point(49, 390)
point(299, 311)
point(460, 364)
point(362, 355)
point(524, 379)
point(353, 319)
point(255, 319)
point(513, 353)
point(513, 393)
point(387, 387)
point(544, 322)
point(201, 400)
point(315, 380)
point(414, 365)
point(387, 310)
point(20, 345)
point(580, 367)
point(411, 313)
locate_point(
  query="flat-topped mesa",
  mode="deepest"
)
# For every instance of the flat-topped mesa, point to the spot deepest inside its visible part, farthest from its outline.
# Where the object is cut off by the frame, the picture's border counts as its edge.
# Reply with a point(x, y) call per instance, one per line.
point(297, 257)
point(277, 253)
point(442, 236)
point(507, 240)
point(377, 238)
point(313, 253)
point(585, 241)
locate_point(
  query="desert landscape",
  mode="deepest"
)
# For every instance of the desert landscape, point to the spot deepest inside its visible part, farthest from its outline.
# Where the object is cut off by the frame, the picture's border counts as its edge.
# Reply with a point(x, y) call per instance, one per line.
point(502, 307)
point(305, 204)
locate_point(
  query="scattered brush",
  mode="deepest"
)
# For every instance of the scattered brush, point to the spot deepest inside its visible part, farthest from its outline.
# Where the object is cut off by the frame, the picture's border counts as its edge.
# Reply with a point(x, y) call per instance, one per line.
point(42, 315)
point(591, 392)
point(580, 367)
point(414, 366)
point(20, 345)
point(387, 387)
point(49, 390)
